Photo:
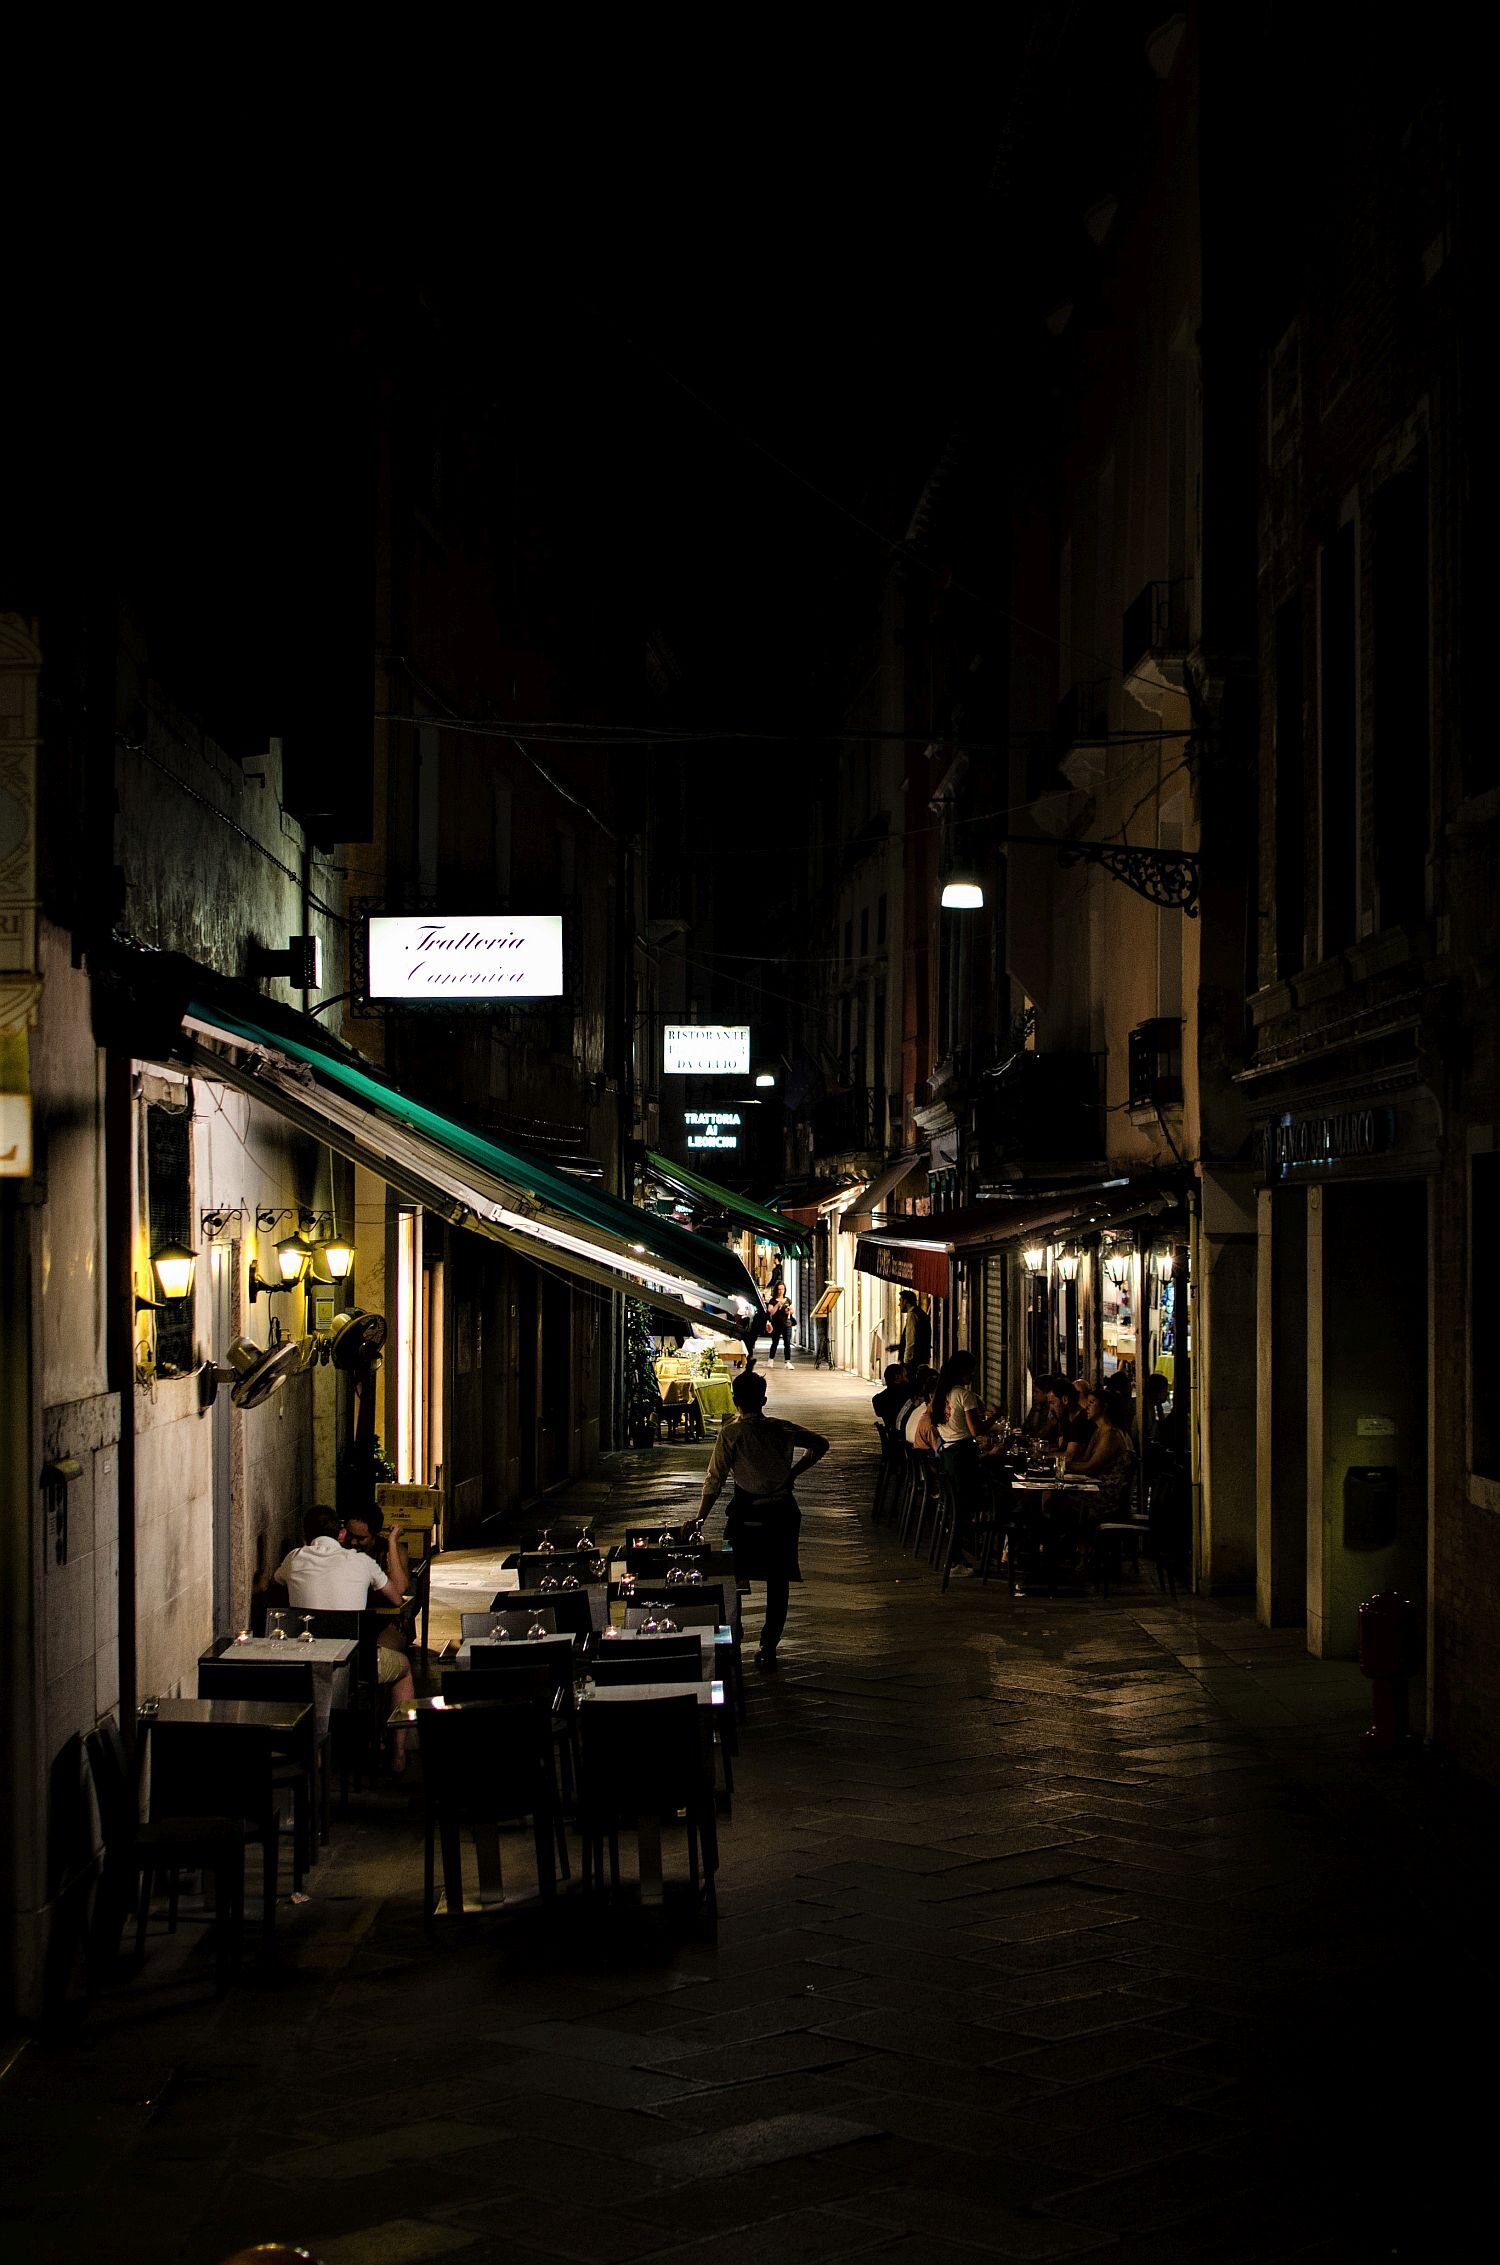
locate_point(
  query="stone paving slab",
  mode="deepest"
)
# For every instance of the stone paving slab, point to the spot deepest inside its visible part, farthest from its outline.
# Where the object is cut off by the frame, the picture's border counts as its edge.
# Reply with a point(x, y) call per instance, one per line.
point(1050, 1927)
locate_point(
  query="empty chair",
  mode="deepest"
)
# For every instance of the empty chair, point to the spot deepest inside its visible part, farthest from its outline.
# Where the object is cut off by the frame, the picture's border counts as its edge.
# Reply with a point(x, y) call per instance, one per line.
point(210, 1796)
point(548, 1668)
point(670, 1595)
point(516, 1623)
point(686, 1615)
point(922, 1498)
point(679, 1600)
point(684, 1644)
point(561, 1565)
point(229, 1678)
point(888, 1472)
point(570, 1608)
point(644, 1663)
point(653, 1561)
point(647, 1761)
point(114, 1791)
point(484, 1765)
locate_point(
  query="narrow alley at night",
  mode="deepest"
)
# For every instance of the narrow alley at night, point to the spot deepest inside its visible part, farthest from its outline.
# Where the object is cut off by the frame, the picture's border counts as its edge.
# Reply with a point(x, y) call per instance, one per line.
point(749, 1127)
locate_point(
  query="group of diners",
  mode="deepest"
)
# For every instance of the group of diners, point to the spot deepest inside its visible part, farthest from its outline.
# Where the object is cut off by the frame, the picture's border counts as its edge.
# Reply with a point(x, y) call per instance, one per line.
point(347, 1564)
point(1074, 1431)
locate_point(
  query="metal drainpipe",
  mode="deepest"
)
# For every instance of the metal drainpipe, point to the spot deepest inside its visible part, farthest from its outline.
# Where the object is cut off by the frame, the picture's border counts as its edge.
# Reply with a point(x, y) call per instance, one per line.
point(119, 1211)
point(22, 1538)
point(1195, 1371)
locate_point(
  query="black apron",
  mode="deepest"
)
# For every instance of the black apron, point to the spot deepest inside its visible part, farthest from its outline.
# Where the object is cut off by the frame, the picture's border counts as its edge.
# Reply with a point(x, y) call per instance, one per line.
point(762, 1531)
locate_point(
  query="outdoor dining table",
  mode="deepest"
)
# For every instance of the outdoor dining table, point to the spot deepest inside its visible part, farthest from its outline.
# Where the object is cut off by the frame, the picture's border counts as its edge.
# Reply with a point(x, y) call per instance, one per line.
point(327, 1656)
point(282, 1717)
point(715, 1399)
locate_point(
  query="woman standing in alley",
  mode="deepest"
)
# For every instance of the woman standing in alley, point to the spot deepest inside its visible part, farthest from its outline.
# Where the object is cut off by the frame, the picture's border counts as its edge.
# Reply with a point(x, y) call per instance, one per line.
point(760, 1454)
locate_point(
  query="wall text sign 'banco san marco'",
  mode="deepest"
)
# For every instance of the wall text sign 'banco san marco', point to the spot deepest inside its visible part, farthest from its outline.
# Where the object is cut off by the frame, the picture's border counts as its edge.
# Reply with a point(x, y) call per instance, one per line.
point(492, 956)
point(706, 1049)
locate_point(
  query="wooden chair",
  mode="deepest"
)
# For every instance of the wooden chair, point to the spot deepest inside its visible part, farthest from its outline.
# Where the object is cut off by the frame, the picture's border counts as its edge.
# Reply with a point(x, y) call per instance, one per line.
point(484, 1765)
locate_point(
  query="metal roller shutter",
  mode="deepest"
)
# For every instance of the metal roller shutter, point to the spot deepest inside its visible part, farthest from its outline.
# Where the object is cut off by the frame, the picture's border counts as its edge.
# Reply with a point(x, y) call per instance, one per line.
point(992, 1379)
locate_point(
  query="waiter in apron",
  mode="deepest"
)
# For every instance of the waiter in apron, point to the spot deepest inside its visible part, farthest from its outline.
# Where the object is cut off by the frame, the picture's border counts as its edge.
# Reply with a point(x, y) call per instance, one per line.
point(759, 1454)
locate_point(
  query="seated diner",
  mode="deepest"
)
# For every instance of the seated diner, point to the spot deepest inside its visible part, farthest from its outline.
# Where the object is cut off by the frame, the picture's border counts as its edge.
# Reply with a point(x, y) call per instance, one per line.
point(329, 1574)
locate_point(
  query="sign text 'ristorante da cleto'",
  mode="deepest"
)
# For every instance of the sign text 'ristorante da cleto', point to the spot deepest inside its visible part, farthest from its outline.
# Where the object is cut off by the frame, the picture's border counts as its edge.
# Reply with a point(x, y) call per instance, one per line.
point(428, 956)
point(706, 1049)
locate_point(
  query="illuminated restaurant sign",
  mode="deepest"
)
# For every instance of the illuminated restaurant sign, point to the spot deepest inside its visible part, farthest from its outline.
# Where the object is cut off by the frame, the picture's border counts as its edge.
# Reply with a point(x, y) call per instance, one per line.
point(430, 956)
point(712, 1128)
point(706, 1049)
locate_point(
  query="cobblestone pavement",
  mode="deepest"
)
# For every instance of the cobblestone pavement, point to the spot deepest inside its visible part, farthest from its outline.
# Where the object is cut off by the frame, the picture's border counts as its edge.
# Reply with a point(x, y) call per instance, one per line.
point(1049, 1929)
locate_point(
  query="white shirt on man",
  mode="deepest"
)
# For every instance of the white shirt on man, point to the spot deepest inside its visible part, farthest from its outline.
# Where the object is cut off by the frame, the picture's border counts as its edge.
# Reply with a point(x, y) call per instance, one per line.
point(323, 1576)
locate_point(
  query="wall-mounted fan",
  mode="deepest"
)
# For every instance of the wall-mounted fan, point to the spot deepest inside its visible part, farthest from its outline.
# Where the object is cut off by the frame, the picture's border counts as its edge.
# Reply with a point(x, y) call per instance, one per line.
point(254, 1372)
point(355, 1340)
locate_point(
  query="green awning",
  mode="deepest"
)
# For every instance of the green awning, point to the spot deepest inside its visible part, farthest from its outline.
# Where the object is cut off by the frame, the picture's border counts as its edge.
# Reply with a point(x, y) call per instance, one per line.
point(467, 1178)
point(784, 1233)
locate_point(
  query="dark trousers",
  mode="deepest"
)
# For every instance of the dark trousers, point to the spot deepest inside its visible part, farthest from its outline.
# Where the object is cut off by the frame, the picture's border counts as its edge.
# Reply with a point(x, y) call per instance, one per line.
point(781, 1333)
point(778, 1597)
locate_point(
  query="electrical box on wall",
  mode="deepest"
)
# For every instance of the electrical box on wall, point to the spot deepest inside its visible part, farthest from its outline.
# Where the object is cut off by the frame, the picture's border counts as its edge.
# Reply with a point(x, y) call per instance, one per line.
point(1371, 1505)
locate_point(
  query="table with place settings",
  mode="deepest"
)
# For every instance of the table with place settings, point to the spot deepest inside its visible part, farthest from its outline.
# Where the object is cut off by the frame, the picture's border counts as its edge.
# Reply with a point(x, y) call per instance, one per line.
point(329, 1657)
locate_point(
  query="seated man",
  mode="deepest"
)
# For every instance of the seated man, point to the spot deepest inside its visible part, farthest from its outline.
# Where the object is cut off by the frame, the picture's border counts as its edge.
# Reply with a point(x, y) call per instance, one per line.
point(1040, 1419)
point(889, 1402)
point(366, 1532)
point(326, 1576)
point(1073, 1427)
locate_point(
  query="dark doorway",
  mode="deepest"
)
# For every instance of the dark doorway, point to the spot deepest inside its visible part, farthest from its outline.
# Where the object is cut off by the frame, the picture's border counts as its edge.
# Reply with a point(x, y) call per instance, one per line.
point(1288, 1571)
point(557, 1381)
point(528, 1408)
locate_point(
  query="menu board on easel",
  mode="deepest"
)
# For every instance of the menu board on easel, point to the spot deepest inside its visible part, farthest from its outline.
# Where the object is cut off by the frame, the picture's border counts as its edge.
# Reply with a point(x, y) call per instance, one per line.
point(828, 1301)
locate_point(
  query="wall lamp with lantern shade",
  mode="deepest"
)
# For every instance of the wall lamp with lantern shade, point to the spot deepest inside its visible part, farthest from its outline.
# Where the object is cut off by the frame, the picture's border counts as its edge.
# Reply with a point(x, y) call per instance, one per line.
point(172, 1268)
point(1117, 1267)
point(319, 1233)
point(337, 1254)
point(1034, 1258)
point(292, 1255)
point(1163, 1262)
point(1067, 1265)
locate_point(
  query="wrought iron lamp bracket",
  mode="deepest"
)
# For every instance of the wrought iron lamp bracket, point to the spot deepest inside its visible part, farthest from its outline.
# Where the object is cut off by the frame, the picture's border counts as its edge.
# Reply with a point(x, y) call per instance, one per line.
point(1168, 877)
